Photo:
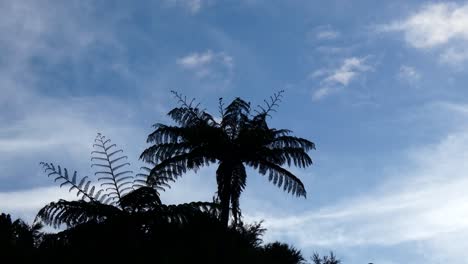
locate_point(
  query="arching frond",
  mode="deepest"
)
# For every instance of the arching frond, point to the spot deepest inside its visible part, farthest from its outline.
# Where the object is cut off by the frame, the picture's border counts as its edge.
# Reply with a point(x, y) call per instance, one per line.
point(286, 156)
point(111, 166)
point(72, 213)
point(270, 105)
point(159, 182)
point(142, 199)
point(189, 113)
point(177, 165)
point(82, 186)
point(290, 141)
point(280, 177)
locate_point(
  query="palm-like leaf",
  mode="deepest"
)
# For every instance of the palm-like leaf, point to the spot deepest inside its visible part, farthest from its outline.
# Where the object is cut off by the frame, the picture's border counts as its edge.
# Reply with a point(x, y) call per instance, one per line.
point(72, 213)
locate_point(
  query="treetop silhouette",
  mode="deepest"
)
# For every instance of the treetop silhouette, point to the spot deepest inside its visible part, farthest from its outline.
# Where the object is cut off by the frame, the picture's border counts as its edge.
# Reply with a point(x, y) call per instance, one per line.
point(241, 138)
point(118, 195)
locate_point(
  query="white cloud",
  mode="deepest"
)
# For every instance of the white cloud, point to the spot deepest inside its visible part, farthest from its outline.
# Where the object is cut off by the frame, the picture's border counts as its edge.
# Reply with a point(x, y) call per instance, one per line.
point(209, 65)
point(26, 203)
point(348, 71)
point(323, 32)
point(437, 25)
point(193, 6)
point(333, 80)
point(331, 49)
point(327, 34)
point(423, 204)
point(196, 60)
point(408, 74)
point(454, 56)
point(323, 92)
point(35, 126)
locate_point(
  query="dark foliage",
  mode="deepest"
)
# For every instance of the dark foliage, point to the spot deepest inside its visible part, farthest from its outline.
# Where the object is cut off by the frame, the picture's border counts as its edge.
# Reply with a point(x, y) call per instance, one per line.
point(119, 196)
point(121, 216)
point(325, 259)
point(280, 253)
point(17, 239)
point(242, 138)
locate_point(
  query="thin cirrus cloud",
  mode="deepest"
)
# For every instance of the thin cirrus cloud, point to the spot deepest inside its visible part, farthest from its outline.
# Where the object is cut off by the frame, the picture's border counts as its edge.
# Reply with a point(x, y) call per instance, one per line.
point(436, 25)
point(193, 6)
point(324, 33)
point(408, 74)
point(208, 65)
point(327, 34)
point(38, 126)
point(423, 205)
point(336, 79)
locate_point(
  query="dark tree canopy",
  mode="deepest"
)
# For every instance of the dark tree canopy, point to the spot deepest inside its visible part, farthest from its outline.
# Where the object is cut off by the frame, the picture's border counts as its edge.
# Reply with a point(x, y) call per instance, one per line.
point(241, 138)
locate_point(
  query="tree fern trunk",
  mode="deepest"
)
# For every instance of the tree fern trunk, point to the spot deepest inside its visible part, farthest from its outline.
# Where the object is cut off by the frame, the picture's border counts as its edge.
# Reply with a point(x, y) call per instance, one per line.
point(223, 177)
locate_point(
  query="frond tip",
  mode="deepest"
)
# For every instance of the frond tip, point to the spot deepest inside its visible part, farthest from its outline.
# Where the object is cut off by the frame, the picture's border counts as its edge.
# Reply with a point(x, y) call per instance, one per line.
point(271, 104)
point(111, 165)
point(81, 186)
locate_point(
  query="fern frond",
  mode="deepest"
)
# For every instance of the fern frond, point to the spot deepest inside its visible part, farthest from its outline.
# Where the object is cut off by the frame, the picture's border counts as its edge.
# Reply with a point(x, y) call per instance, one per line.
point(111, 168)
point(62, 176)
point(189, 114)
point(159, 182)
point(270, 105)
point(72, 213)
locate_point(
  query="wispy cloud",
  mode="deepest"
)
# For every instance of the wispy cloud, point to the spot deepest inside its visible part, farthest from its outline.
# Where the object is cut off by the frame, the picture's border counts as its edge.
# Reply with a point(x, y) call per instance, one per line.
point(408, 74)
point(26, 203)
point(436, 25)
point(215, 66)
point(422, 205)
point(38, 126)
point(327, 34)
point(193, 6)
point(323, 33)
point(454, 56)
point(336, 79)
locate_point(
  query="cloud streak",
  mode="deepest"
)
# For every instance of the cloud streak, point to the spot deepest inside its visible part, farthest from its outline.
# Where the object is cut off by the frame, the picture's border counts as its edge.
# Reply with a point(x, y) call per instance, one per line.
point(38, 126)
point(209, 66)
point(193, 6)
point(26, 203)
point(408, 74)
point(336, 79)
point(423, 204)
point(436, 25)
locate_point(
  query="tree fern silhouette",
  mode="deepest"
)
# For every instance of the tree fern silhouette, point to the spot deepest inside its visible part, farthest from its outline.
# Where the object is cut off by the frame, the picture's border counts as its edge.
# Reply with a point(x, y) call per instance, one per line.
point(242, 138)
point(120, 194)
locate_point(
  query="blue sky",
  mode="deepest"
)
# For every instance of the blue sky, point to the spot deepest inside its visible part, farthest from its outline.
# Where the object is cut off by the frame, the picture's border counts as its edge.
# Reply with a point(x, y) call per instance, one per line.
point(378, 86)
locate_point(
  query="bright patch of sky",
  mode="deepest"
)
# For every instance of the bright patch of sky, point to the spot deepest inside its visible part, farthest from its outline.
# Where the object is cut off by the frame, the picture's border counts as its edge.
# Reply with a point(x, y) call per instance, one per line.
point(379, 86)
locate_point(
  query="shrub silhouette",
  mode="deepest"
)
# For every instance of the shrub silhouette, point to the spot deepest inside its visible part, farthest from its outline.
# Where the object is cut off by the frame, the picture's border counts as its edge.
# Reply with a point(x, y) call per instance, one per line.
point(17, 239)
point(325, 259)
